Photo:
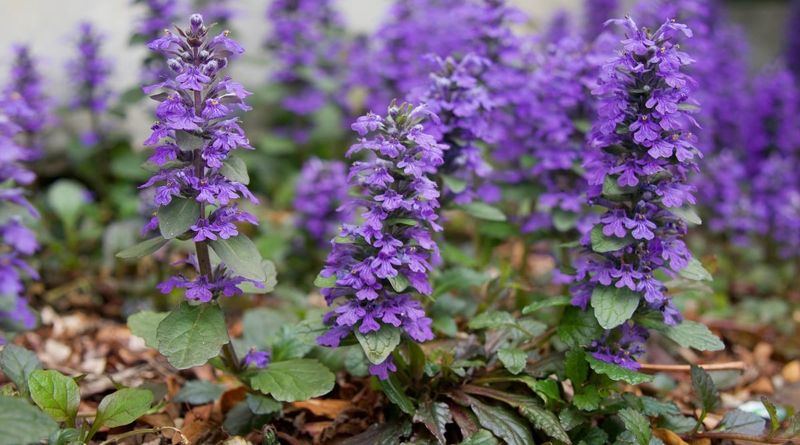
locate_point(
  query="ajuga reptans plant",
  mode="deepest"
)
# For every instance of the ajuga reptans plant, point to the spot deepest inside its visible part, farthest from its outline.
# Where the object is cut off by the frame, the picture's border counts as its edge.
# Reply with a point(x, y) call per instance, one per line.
point(25, 102)
point(642, 149)
point(199, 181)
point(89, 72)
point(375, 268)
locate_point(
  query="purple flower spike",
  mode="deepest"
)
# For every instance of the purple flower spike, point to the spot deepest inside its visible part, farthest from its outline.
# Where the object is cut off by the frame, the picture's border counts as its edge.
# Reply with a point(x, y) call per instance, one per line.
point(306, 41)
point(89, 72)
point(24, 101)
point(321, 190)
point(375, 267)
point(193, 141)
point(17, 240)
point(641, 153)
point(460, 98)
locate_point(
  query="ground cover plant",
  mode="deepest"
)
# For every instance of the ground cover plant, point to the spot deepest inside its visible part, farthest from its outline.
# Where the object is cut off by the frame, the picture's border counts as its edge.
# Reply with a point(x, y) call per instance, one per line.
point(463, 227)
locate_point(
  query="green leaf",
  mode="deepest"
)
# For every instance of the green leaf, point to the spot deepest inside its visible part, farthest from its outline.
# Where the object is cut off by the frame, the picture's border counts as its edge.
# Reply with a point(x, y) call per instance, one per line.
point(404, 221)
point(177, 217)
point(564, 221)
point(199, 392)
point(612, 189)
point(513, 360)
point(389, 433)
point(289, 344)
point(67, 198)
point(492, 320)
point(378, 345)
point(482, 437)
point(240, 256)
point(56, 394)
point(614, 306)
point(588, 398)
point(575, 367)
point(325, 282)
point(529, 407)
point(687, 214)
point(548, 390)
point(503, 422)
point(191, 335)
point(772, 410)
point(603, 244)
point(395, 393)
point(121, 408)
point(445, 324)
point(617, 373)
point(637, 424)
point(435, 416)
point(695, 271)
point(399, 282)
point(23, 423)
point(235, 169)
point(545, 421)
point(458, 278)
point(561, 300)
point(689, 334)
point(260, 405)
point(483, 211)
point(577, 327)
point(189, 141)
point(142, 249)
point(293, 380)
point(240, 420)
point(704, 388)
point(67, 436)
point(268, 285)
point(742, 422)
point(456, 185)
point(145, 325)
point(355, 362)
point(18, 364)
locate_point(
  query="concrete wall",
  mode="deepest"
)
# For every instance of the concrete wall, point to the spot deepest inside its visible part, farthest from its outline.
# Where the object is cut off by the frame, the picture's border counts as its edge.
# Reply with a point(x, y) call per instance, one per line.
point(49, 25)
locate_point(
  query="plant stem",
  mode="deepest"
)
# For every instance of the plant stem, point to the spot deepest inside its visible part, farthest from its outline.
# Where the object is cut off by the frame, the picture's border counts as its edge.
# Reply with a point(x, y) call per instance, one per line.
point(729, 366)
point(737, 436)
point(125, 435)
point(201, 247)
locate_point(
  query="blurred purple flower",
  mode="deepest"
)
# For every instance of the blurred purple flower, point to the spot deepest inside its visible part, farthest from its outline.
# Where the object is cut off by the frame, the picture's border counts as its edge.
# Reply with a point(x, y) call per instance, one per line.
point(17, 240)
point(321, 190)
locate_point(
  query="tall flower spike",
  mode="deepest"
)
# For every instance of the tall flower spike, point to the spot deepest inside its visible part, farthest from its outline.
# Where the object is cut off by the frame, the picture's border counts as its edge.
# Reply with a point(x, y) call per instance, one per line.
point(321, 190)
point(560, 98)
point(771, 158)
point(792, 49)
point(375, 268)
point(17, 241)
point(25, 103)
point(193, 140)
point(392, 63)
point(641, 153)
point(461, 101)
point(89, 72)
point(306, 40)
